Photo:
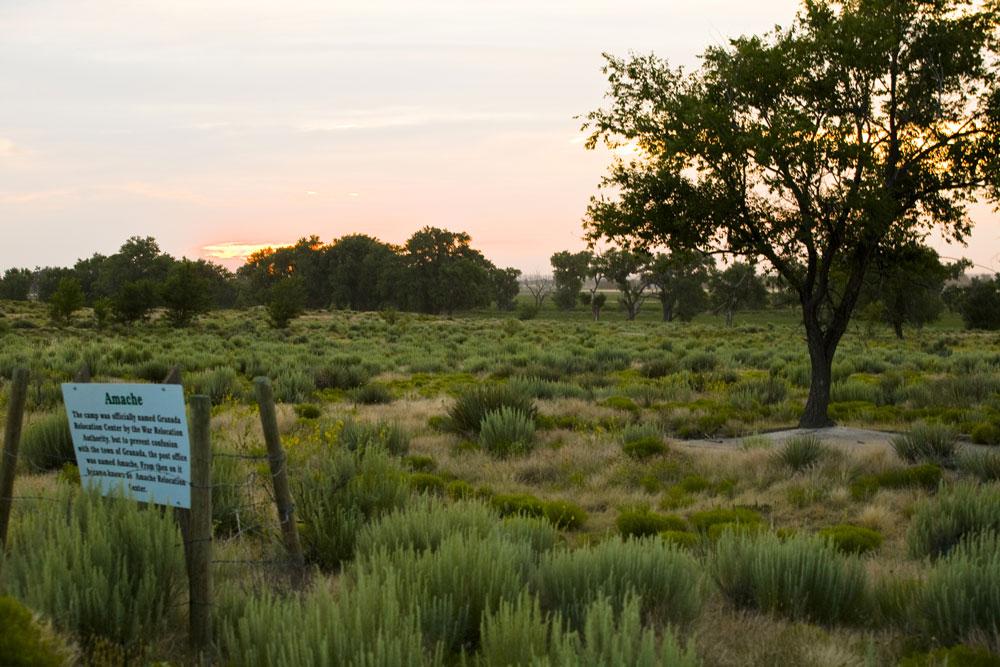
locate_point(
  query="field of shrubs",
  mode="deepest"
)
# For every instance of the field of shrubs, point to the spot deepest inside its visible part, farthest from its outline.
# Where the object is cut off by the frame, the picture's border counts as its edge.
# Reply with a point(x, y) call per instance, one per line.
point(490, 491)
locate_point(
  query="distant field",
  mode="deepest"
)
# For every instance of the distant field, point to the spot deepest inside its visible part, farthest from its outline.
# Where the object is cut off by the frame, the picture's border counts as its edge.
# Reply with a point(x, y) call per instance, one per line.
point(616, 421)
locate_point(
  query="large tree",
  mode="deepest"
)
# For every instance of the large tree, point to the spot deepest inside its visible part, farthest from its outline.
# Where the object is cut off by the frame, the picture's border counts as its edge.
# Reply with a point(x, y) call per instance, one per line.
point(863, 126)
point(680, 278)
point(569, 271)
point(627, 270)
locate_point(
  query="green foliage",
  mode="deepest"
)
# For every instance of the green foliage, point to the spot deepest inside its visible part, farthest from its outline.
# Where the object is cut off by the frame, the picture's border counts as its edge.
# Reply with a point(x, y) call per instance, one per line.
point(507, 432)
point(421, 463)
point(680, 538)
point(942, 522)
point(701, 362)
point(642, 441)
point(956, 656)
point(359, 436)
point(186, 293)
point(801, 577)
point(704, 520)
point(459, 489)
point(519, 633)
point(852, 539)
point(564, 514)
point(427, 483)
point(801, 452)
point(286, 300)
point(961, 597)
point(467, 413)
point(337, 493)
point(985, 433)
point(667, 578)
point(24, 643)
point(643, 523)
point(46, 443)
point(219, 384)
point(340, 374)
point(66, 300)
point(308, 411)
point(134, 300)
point(425, 523)
point(519, 504)
point(984, 465)
point(103, 309)
point(372, 393)
point(747, 394)
point(979, 303)
point(925, 475)
point(926, 443)
point(111, 569)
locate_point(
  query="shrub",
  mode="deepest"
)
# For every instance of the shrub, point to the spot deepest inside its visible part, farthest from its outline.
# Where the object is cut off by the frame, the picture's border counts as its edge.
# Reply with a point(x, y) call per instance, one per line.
point(669, 580)
point(340, 374)
point(372, 393)
point(801, 452)
point(623, 403)
point(925, 475)
point(716, 530)
point(564, 514)
point(286, 300)
point(308, 411)
point(959, 600)
point(519, 633)
point(940, 523)
point(758, 391)
point(459, 489)
point(984, 465)
point(642, 441)
point(985, 433)
point(24, 643)
point(111, 569)
point(466, 414)
point(657, 368)
point(701, 362)
point(852, 539)
point(423, 482)
point(518, 504)
point(926, 443)
point(680, 538)
point(339, 492)
point(360, 436)
point(421, 463)
point(424, 523)
point(365, 624)
point(643, 523)
point(956, 656)
point(47, 444)
point(451, 588)
point(801, 578)
point(704, 520)
point(507, 432)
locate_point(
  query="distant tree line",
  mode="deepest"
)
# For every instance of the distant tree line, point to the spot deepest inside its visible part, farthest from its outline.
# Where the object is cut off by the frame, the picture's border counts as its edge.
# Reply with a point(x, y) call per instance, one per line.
point(435, 271)
point(906, 286)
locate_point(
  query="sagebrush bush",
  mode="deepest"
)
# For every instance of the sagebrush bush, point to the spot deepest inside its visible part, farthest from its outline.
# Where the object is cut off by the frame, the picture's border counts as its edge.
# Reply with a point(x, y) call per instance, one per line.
point(643, 523)
point(982, 464)
point(961, 598)
point(111, 569)
point(750, 393)
point(940, 523)
point(801, 577)
point(680, 538)
point(366, 623)
point(372, 393)
point(507, 432)
point(360, 436)
point(337, 493)
point(926, 443)
point(424, 523)
point(852, 539)
point(427, 483)
point(46, 443)
point(340, 375)
point(520, 633)
point(924, 475)
point(801, 452)
point(308, 411)
point(25, 643)
point(668, 579)
point(643, 440)
point(564, 514)
point(219, 384)
point(520, 504)
point(704, 520)
point(451, 588)
point(955, 656)
point(466, 414)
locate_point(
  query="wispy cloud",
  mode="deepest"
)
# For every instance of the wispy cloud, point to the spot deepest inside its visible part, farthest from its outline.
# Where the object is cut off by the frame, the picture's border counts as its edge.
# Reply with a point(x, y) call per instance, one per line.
point(235, 250)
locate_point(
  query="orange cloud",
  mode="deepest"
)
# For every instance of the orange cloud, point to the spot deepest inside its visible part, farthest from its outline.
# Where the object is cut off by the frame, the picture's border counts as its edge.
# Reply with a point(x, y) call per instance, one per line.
point(234, 250)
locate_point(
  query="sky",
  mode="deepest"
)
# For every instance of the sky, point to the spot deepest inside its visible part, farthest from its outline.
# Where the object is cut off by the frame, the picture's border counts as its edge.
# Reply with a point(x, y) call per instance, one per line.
point(217, 124)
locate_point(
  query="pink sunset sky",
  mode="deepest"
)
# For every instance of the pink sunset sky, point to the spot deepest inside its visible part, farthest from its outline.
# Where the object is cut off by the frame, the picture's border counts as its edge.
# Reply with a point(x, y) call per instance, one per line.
point(217, 125)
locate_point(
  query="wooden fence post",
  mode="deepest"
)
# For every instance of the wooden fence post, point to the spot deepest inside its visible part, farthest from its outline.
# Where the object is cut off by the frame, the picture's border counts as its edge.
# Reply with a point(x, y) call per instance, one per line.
point(279, 477)
point(200, 528)
point(11, 442)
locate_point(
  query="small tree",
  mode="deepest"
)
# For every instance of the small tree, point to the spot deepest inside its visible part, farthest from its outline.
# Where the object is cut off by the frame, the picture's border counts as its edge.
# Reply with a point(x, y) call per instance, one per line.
point(286, 301)
point(16, 284)
point(979, 303)
point(627, 270)
point(186, 293)
point(505, 287)
point(737, 288)
point(680, 279)
point(66, 300)
point(538, 288)
point(134, 300)
point(569, 270)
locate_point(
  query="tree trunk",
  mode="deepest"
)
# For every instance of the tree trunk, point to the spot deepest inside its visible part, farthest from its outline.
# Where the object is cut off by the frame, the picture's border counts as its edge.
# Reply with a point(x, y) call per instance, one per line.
point(898, 328)
point(821, 365)
point(668, 310)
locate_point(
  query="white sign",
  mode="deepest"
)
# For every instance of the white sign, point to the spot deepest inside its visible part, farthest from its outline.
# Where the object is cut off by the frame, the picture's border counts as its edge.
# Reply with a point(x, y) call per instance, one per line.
point(132, 438)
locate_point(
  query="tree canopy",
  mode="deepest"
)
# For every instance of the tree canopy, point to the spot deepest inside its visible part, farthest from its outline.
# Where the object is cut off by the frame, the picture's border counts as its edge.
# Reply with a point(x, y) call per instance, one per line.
point(863, 126)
